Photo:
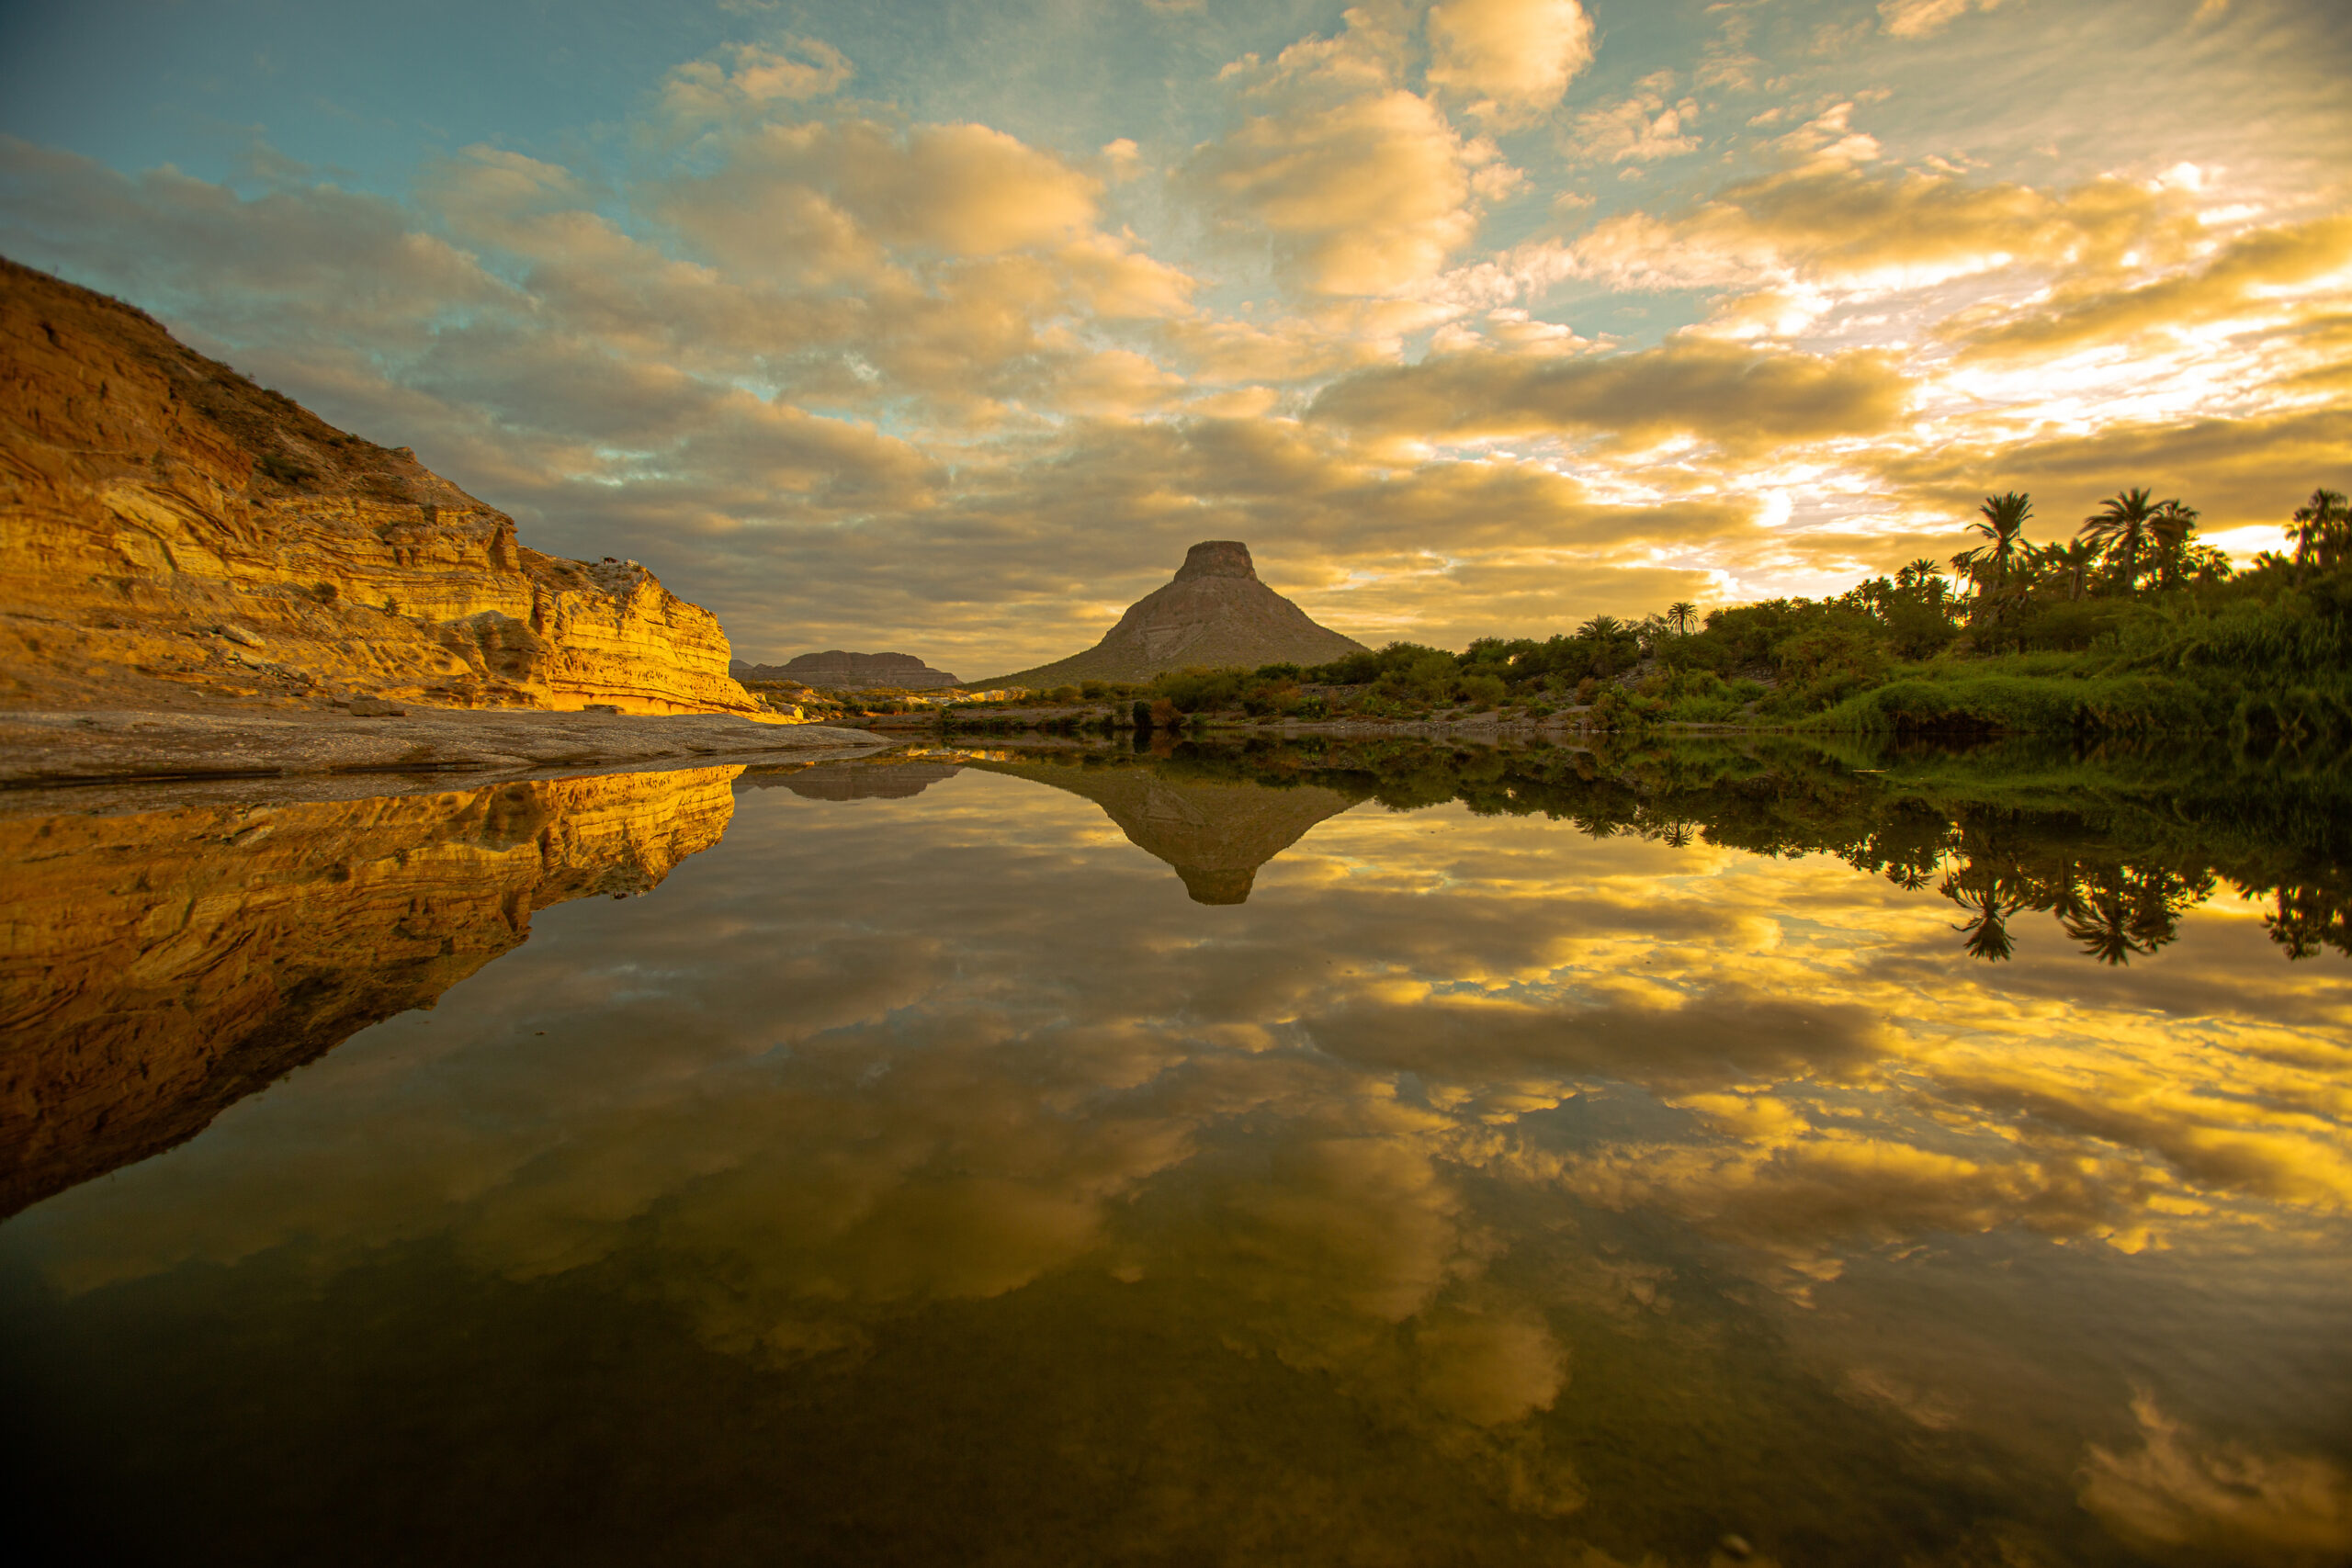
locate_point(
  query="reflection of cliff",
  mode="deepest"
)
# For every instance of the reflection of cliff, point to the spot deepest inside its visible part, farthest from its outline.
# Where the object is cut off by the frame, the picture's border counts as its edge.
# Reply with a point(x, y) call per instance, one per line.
point(1216, 832)
point(161, 967)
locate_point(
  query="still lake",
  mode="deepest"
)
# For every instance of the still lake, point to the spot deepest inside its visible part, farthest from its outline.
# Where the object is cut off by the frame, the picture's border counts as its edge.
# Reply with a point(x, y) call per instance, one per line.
point(1384, 1154)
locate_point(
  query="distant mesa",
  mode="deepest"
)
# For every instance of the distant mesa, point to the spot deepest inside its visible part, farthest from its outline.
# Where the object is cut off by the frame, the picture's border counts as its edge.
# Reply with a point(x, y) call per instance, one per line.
point(891, 780)
point(1215, 612)
point(836, 670)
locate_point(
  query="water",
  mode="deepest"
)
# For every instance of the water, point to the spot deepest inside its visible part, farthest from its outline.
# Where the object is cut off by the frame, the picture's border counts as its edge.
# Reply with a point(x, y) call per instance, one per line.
point(1382, 1156)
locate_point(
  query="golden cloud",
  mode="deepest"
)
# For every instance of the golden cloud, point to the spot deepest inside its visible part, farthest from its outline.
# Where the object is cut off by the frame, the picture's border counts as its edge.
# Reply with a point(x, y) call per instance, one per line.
point(1842, 223)
point(1737, 396)
point(1512, 58)
point(2252, 277)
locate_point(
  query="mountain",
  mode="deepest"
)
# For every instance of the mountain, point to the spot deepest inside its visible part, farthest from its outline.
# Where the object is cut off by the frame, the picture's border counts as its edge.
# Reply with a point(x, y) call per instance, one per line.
point(1214, 833)
point(837, 671)
point(172, 533)
point(1215, 613)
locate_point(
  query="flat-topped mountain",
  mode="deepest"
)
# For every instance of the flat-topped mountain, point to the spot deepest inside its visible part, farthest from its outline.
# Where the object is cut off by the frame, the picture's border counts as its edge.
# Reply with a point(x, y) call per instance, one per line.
point(837, 671)
point(171, 532)
point(1214, 833)
point(1215, 612)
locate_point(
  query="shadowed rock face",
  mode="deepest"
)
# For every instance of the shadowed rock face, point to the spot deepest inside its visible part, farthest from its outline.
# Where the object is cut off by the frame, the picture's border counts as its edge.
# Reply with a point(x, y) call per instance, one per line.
point(1213, 613)
point(161, 966)
point(1214, 833)
point(166, 524)
point(837, 671)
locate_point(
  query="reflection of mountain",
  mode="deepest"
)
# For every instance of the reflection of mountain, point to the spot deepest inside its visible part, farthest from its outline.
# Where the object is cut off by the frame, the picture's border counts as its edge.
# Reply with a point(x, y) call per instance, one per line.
point(845, 780)
point(1216, 832)
point(161, 966)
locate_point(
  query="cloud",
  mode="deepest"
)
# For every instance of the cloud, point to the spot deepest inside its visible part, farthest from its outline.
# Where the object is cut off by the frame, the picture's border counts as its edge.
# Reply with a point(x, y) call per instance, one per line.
point(2255, 276)
point(1842, 223)
point(1511, 59)
point(1734, 394)
point(1919, 18)
point(1356, 186)
point(1644, 126)
point(817, 201)
point(747, 78)
point(2179, 1493)
point(284, 265)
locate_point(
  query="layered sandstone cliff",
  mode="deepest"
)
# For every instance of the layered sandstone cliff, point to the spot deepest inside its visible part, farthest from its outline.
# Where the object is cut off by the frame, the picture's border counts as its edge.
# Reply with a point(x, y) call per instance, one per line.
point(1215, 613)
point(159, 967)
point(168, 526)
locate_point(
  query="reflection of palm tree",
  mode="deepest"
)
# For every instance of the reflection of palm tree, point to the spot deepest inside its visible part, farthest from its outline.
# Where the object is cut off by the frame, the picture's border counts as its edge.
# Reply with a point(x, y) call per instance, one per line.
point(2102, 924)
point(1988, 930)
point(1680, 614)
point(2121, 528)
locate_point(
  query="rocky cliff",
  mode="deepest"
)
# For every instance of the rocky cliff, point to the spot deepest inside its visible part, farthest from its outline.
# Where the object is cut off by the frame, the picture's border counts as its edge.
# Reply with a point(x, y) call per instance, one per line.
point(159, 967)
point(1215, 613)
point(838, 671)
point(167, 528)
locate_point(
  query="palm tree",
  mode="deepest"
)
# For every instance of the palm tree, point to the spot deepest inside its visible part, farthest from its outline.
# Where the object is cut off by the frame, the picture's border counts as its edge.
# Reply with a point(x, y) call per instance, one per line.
point(2170, 530)
point(2075, 563)
point(1602, 628)
point(1680, 614)
point(2123, 527)
point(2004, 530)
point(2322, 531)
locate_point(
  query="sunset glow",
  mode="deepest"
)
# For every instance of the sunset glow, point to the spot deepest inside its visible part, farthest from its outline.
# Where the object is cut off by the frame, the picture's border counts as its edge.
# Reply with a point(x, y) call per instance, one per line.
point(949, 326)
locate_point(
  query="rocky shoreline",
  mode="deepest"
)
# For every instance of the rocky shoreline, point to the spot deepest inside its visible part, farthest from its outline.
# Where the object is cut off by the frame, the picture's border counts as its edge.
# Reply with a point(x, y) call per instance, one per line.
point(47, 749)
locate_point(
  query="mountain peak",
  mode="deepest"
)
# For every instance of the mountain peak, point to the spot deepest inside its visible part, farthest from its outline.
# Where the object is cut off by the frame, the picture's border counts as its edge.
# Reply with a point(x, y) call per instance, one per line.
point(1217, 558)
point(1214, 612)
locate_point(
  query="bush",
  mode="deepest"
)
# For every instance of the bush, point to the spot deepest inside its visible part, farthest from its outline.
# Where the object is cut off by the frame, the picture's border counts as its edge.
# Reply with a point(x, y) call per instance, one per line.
point(1485, 690)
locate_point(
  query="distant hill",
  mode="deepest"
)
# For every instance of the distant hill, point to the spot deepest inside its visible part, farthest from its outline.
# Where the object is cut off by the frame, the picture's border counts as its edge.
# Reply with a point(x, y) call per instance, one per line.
point(1215, 612)
point(836, 670)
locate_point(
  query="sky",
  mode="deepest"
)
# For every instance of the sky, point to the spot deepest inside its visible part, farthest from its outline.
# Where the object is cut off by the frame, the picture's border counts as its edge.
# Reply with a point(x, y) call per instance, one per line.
point(945, 327)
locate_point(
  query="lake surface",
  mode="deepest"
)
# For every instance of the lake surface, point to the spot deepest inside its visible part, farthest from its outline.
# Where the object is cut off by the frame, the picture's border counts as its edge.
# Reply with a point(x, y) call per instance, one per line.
point(1380, 1155)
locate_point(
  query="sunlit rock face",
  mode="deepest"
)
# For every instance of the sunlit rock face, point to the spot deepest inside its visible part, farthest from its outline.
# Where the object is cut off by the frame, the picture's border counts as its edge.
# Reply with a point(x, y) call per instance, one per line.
point(1215, 613)
point(158, 967)
point(835, 670)
point(169, 524)
point(1215, 833)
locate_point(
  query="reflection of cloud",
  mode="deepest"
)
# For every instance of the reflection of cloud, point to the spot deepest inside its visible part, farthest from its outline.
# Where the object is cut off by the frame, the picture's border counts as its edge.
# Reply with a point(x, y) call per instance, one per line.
point(1373, 1126)
point(2197, 1500)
